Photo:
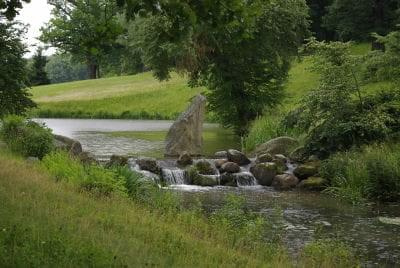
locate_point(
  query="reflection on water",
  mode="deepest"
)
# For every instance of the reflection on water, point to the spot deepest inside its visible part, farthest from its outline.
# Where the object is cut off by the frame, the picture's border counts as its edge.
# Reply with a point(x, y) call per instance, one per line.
point(310, 215)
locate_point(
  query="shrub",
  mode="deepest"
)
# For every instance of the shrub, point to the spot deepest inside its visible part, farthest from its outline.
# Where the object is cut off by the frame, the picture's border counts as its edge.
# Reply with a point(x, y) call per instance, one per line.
point(372, 173)
point(93, 178)
point(26, 137)
point(328, 253)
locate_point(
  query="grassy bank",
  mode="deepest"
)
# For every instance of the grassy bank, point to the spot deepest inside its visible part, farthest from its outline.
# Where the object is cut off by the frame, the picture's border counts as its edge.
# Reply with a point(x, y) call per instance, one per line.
point(129, 97)
point(55, 220)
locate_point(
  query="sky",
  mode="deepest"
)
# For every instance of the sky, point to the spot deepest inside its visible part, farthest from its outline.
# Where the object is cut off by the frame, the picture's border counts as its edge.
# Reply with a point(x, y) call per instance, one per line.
point(36, 14)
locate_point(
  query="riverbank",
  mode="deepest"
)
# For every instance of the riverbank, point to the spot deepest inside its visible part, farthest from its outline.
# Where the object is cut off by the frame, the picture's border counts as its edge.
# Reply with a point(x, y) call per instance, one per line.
point(45, 223)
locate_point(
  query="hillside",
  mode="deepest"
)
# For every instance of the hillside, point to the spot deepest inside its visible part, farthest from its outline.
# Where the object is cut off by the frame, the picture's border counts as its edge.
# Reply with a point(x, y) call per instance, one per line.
point(137, 96)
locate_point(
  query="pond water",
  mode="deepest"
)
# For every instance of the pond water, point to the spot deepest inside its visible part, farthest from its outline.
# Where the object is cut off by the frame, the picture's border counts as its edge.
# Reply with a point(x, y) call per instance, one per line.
point(104, 137)
point(305, 216)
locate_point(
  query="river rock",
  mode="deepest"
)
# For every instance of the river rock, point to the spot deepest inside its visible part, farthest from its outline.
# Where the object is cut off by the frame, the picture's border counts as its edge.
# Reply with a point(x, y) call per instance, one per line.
point(228, 179)
point(205, 167)
point(117, 160)
point(281, 145)
point(195, 178)
point(313, 184)
point(219, 162)
point(87, 158)
point(238, 157)
point(280, 161)
point(393, 221)
point(184, 159)
point(230, 167)
point(264, 158)
point(285, 182)
point(305, 171)
point(221, 154)
point(72, 146)
point(298, 154)
point(264, 173)
point(149, 164)
point(186, 132)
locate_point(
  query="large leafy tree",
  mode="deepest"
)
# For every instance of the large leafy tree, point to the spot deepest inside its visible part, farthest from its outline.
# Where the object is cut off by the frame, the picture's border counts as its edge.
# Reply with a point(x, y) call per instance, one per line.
point(87, 29)
point(318, 9)
point(357, 19)
point(61, 68)
point(14, 97)
point(240, 50)
point(38, 75)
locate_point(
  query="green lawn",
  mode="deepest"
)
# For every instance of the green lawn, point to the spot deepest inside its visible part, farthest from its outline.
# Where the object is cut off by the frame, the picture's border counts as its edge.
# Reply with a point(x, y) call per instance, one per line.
point(137, 96)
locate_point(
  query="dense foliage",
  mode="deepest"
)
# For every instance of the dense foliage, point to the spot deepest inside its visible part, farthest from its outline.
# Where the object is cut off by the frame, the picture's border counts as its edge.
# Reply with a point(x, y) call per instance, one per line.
point(9, 8)
point(336, 116)
point(240, 51)
point(356, 20)
point(38, 75)
point(26, 137)
point(85, 29)
point(14, 97)
point(61, 68)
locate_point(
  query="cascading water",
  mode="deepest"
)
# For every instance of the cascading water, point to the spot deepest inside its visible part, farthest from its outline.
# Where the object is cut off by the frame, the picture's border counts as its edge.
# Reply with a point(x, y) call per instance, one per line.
point(245, 178)
point(173, 176)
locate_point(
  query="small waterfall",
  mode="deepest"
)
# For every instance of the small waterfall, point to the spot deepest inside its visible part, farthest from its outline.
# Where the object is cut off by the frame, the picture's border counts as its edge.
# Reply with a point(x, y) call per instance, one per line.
point(173, 176)
point(146, 174)
point(245, 179)
point(291, 167)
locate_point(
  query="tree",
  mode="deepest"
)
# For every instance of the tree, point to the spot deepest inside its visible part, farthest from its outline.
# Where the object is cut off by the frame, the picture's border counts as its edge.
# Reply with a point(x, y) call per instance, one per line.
point(240, 50)
point(9, 8)
point(61, 68)
point(38, 75)
point(85, 28)
point(318, 9)
point(357, 19)
point(14, 97)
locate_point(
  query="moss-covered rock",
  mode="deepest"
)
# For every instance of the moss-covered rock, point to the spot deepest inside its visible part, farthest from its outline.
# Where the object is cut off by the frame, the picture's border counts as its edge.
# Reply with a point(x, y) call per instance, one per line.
point(313, 183)
point(305, 171)
point(205, 167)
point(264, 158)
point(264, 173)
point(285, 182)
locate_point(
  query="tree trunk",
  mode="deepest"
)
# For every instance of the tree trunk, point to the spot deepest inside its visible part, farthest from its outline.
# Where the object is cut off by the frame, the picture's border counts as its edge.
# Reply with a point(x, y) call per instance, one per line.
point(92, 70)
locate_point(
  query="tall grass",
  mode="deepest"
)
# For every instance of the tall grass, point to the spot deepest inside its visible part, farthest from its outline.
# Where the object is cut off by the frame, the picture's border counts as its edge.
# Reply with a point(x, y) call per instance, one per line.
point(372, 173)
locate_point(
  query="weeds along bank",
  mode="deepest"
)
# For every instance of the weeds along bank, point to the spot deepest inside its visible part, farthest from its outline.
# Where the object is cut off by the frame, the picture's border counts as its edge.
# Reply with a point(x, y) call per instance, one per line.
point(59, 212)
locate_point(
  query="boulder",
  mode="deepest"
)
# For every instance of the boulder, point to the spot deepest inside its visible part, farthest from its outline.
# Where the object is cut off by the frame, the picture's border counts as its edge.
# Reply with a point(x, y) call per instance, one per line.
point(221, 154)
point(280, 145)
point(205, 167)
point(264, 173)
point(285, 182)
point(264, 158)
point(230, 167)
point(195, 178)
point(238, 157)
point(184, 159)
point(149, 164)
point(298, 154)
point(72, 146)
point(280, 161)
point(313, 184)
point(219, 162)
point(87, 158)
point(185, 134)
point(117, 160)
point(228, 179)
point(305, 171)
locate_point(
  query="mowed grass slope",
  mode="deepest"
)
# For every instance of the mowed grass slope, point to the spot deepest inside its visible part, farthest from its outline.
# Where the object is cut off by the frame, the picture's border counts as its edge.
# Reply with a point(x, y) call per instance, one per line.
point(137, 96)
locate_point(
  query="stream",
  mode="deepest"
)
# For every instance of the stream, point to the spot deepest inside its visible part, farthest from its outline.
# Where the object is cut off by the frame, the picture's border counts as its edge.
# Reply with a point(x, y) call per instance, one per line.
point(304, 215)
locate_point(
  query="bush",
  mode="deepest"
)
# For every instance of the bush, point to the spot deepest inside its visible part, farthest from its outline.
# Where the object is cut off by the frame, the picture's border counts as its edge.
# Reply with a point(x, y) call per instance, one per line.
point(372, 173)
point(26, 137)
point(93, 178)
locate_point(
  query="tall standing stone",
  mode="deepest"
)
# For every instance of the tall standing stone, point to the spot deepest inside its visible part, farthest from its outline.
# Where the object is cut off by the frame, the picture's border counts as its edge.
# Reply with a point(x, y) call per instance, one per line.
point(186, 132)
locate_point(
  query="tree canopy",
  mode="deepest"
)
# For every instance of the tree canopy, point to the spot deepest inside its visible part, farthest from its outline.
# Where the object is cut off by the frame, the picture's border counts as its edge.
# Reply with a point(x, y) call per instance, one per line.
point(86, 29)
point(239, 50)
point(38, 75)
